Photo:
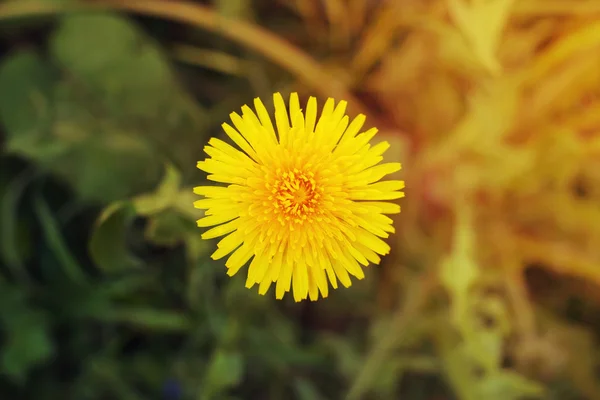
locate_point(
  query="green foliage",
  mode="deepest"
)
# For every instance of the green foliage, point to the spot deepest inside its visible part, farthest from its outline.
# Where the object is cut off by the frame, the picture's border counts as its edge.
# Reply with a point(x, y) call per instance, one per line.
point(473, 358)
point(117, 110)
point(27, 342)
point(108, 245)
point(26, 84)
point(56, 244)
point(15, 234)
point(225, 370)
point(125, 70)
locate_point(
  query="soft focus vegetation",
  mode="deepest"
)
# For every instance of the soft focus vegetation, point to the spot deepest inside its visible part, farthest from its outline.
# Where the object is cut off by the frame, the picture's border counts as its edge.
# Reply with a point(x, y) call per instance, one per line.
point(491, 289)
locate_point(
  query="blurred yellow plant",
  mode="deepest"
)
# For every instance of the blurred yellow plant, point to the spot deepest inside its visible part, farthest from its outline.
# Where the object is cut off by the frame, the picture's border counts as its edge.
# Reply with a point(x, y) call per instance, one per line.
point(482, 23)
point(500, 103)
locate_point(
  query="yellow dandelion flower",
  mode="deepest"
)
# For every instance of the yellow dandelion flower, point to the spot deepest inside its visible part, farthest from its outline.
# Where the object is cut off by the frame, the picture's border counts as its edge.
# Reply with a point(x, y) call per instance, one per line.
point(302, 200)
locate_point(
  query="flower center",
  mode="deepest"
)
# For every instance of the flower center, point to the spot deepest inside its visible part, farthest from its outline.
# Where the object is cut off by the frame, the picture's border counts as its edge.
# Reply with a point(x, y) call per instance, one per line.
point(296, 195)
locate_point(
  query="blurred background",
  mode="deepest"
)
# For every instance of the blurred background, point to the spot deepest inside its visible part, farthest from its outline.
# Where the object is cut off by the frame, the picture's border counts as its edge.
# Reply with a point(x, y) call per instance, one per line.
point(491, 291)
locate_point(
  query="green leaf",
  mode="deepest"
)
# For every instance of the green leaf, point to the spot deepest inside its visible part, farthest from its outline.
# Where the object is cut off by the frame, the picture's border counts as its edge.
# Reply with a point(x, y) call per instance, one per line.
point(459, 270)
point(485, 347)
point(107, 164)
point(56, 243)
point(306, 390)
point(108, 243)
point(156, 320)
point(508, 385)
point(125, 66)
point(163, 197)
point(28, 344)
point(184, 204)
point(459, 370)
point(168, 229)
point(225, 370)
point(14, 234)
point(27, 341)
point(26, 110)
point(25, 89)
point(129, 78)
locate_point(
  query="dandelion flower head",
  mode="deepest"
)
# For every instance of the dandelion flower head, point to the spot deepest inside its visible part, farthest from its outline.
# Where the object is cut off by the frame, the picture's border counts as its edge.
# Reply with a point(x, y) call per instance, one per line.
point(300, 199)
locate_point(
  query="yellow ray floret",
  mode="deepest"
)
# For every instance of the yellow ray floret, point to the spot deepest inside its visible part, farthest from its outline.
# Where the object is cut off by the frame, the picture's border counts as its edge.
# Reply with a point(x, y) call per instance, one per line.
point(302, 201)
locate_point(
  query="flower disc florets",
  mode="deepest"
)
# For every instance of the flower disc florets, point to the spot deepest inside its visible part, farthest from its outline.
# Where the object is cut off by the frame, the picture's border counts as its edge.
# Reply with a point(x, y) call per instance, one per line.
point(295, 196)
